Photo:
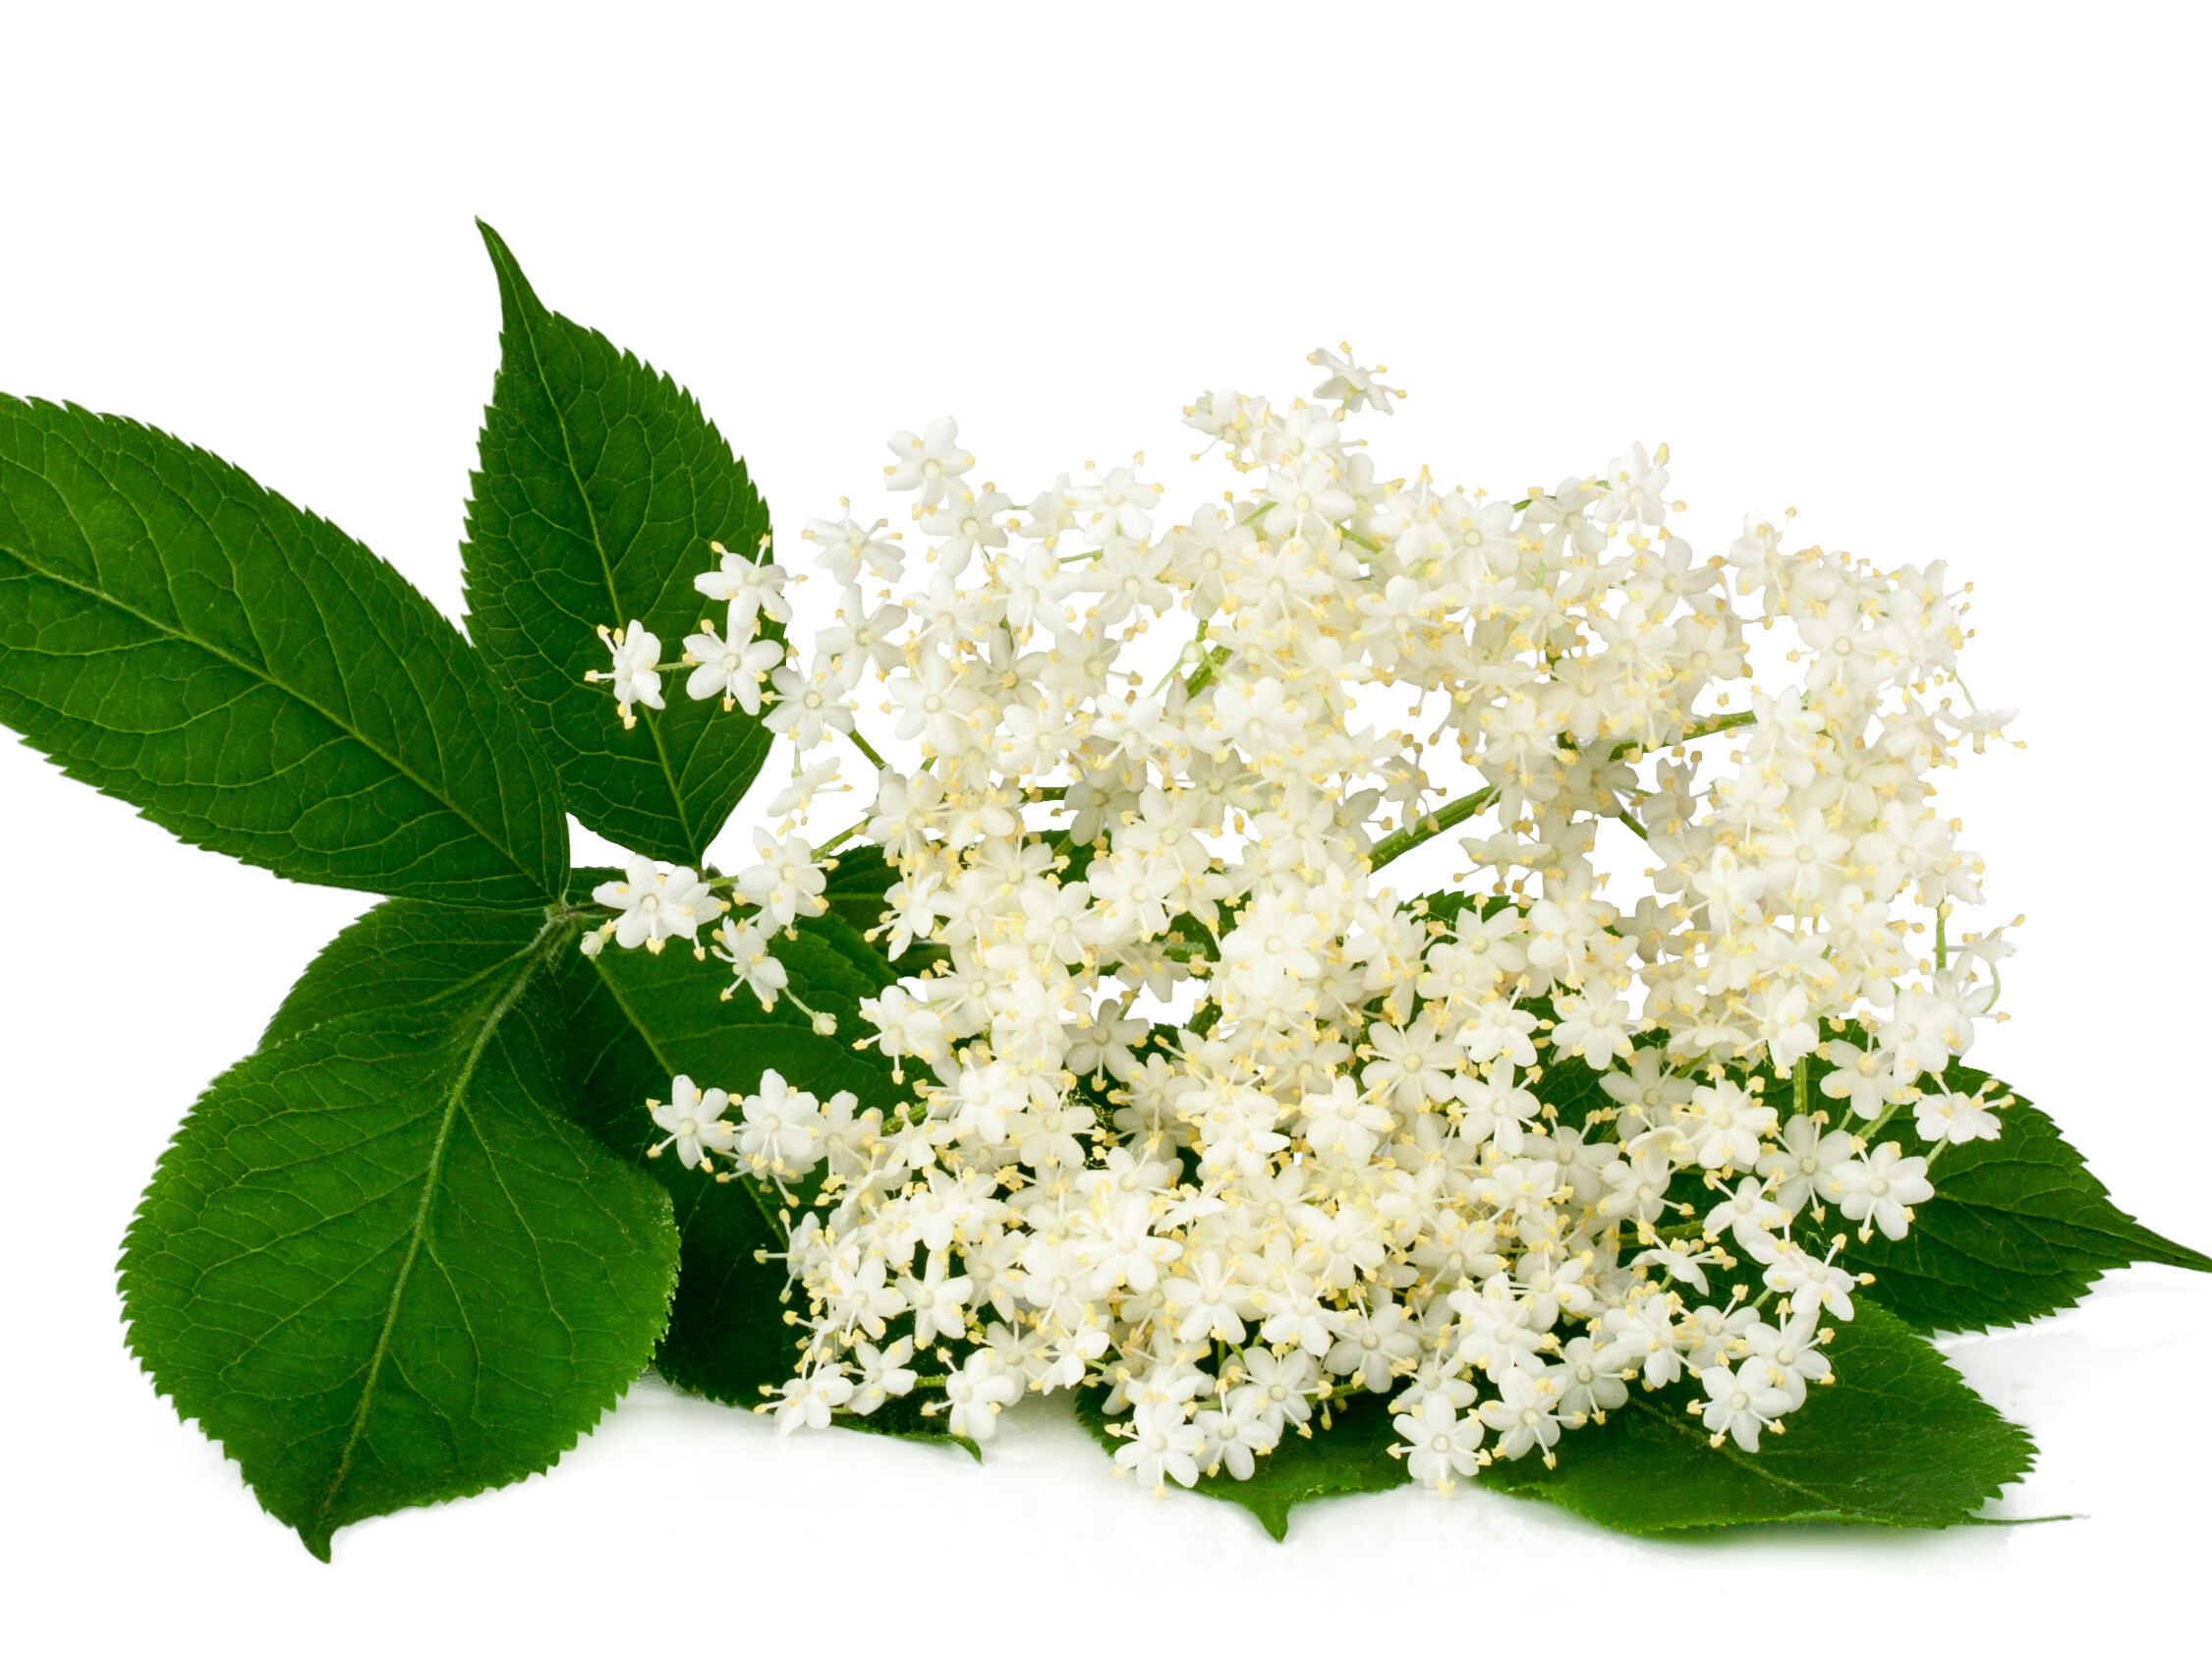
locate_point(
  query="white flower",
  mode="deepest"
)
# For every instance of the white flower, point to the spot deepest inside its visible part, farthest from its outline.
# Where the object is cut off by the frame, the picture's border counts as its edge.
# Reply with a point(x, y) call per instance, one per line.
point(929, 464)
point(729, 670)
point(1881, 1189)
point(1787, 1357)
point(657, 906)
point(1442, 1445)
point(1235, 1434)
point(978, 1393)
point(845, 546)
point(966, 523)
point(1525, 1414)
point(797, 795)
point(810, 1399)
point(1723, 1125)
point(1634, 489)
point(1374, 1344)
point(1280, 1387)
point(694, 1123)
point(786, 884)
point(1739, 1404)
point(1161, 1446)
point(1358, 387)
point(1802, 1166)
point(783, 1130)
point(1597, 1028)
point(883, 1372)
point(1946, 1115)
point(808, 707)
point(1338, 1138)
point(938, 1300)
point(744, 945)
point(635, 651)
point(1115, 506)
point(752, 589)
point(1588, 1387)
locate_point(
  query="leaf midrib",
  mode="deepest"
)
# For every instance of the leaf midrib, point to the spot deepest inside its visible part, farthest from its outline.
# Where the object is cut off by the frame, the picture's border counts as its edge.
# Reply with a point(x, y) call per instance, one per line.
point(2134, 1239)
point(606, 565)
point(257, 672)
point(1729, 1451)
point(531, 957)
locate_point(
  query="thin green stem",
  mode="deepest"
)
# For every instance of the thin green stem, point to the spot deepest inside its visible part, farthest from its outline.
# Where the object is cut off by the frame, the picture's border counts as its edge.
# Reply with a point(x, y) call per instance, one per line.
point(1176, 668)
point(1403, 841)
point(1206, 670)
point(1690, 734)
point(867, 749)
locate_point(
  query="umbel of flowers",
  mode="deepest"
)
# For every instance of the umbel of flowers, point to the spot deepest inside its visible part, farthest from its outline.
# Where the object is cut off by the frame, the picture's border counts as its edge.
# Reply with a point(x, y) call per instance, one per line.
point(1211, 1119)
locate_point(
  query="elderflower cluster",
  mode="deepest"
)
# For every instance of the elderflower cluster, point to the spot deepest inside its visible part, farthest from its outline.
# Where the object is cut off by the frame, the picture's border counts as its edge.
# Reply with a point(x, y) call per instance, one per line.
point(1206, 1114)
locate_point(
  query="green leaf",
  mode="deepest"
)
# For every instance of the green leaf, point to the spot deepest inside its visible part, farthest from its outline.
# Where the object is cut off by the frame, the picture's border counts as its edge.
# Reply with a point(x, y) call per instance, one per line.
point(381, 1265)
point(855, 889)
point(403, 954)
point(2017, 1227)
point(1571, 1086)
point(599, 486)
point(635, 1020)
point(1351, 1456)
point(1896, 1439)
point(251, 678)
point(726, 1335)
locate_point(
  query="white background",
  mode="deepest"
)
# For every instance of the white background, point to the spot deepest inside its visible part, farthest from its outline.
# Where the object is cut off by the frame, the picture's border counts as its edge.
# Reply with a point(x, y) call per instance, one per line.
point(1933, 276)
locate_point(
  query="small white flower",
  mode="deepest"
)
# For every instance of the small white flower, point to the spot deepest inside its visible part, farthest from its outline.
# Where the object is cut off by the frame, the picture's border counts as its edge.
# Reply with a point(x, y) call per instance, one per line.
point(1525, 1414)
point(1441, 1446)
point(752, 589)
point(783, 1128)
point(1739, 1403)
point(635, 651)
point(694, 1123)
point(786, 884)
point(657, 906)
point(729, 670)
point(810, 1399)
point(1881, 1189)
point(1161, 1446)
point(978, 1393)
point(930, 463)
point(1946, 1116)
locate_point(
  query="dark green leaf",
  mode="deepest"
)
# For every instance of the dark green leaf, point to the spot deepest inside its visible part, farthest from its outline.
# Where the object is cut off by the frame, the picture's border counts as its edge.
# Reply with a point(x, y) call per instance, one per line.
point(2017, 1227)
point(1896, 1439)
point(636, 1020)
point(1351, 1456)
point(600, 485)
point(677, 1007)
point(251, 678)
point(855, 889)
point(726, 1335)
point(382, 1266)
point(403, 954)
point(1570, 1087)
